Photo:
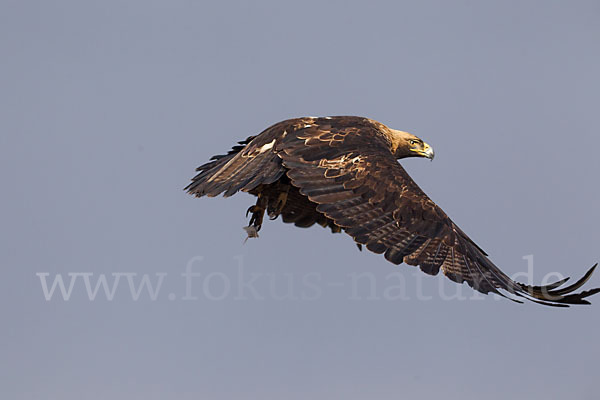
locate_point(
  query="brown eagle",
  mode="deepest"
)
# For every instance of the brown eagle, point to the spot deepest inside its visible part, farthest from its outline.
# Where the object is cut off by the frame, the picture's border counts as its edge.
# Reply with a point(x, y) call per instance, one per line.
point(342, 173)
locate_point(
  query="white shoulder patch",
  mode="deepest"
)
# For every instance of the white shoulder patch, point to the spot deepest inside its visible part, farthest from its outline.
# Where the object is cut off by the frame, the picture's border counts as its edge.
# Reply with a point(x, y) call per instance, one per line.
point(267, 147)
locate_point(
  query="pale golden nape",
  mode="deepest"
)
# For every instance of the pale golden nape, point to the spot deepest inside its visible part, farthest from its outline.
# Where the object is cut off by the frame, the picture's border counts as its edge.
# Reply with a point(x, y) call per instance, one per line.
point(406, 145)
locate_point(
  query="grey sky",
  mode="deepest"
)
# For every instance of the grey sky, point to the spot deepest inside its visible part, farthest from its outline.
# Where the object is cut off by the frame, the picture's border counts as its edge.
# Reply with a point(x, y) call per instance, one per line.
point(107, 107)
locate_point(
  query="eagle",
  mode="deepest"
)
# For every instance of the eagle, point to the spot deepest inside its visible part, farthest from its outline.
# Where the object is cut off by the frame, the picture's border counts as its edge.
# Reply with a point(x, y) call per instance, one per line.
point(343, 173)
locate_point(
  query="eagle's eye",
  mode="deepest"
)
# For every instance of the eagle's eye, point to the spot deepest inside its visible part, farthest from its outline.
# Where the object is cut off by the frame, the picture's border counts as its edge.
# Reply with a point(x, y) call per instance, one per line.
point(412, 142)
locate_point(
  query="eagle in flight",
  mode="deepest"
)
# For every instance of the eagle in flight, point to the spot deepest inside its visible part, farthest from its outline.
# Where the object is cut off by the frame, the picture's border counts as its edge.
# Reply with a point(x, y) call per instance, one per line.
point(342, 173)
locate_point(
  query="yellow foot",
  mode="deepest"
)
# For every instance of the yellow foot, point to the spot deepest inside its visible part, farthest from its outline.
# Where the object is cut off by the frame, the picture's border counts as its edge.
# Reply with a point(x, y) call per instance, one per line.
point(281, 201)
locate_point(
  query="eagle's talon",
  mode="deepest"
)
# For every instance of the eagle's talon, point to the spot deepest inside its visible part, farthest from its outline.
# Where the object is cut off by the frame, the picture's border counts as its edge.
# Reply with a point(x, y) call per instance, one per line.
point(255, 209)
point(256, 220)
point(258, 212)
point(279, 204)
point(281, 201)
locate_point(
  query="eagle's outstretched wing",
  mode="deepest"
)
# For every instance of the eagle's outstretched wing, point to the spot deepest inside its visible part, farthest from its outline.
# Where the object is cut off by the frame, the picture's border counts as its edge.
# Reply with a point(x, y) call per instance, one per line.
point(253, 166)
point(355, 181)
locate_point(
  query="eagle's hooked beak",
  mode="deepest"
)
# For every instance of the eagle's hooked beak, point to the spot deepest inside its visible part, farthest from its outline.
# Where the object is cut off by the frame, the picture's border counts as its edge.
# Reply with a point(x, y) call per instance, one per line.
point(426, 151)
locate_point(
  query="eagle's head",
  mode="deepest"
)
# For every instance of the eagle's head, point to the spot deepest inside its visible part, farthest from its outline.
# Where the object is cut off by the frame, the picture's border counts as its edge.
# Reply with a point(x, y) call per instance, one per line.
point(407, 145)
